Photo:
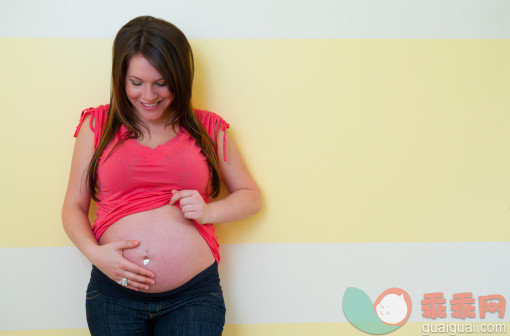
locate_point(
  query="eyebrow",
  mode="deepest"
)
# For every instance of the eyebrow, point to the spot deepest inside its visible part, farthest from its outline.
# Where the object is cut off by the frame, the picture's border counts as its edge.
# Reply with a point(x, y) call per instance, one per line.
point(157, 80)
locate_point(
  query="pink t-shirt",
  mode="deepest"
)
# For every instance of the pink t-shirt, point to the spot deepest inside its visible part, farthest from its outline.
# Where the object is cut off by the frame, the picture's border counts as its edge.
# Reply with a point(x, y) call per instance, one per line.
point(138, 178)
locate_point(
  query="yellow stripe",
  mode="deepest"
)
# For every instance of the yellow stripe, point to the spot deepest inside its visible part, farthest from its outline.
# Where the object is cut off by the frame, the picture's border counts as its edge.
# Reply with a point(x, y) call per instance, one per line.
point(329, 329)
point(350, 140)
point(47, 332)
point(280, 329)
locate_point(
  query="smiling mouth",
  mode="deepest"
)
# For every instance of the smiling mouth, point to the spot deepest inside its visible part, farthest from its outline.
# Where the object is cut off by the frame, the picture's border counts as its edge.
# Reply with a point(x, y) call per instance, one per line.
point(150, 105)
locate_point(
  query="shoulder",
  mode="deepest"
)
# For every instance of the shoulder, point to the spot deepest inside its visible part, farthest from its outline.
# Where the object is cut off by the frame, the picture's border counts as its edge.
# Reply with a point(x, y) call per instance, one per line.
point(98, 113)
point(95, 117)
point(216, 127)
point(205, 114)
point(211, 120)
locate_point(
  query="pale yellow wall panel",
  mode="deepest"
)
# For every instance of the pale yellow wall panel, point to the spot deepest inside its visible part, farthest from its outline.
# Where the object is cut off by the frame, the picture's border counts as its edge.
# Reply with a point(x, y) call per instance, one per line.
point(307, 329)
point(350, 140)
point(277, 329)
point(47, 332)
point(346, 329)
point(285, 329)
point(46, 83)
point(370, 140)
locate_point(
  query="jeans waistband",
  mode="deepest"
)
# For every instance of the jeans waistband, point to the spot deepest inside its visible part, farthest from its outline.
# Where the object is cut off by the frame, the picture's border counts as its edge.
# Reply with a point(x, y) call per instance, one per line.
point(206, 281)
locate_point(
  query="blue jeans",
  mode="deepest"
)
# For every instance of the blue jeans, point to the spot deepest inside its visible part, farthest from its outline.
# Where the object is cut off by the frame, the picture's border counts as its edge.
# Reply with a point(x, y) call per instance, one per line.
point(195, 308)
point(202, 314)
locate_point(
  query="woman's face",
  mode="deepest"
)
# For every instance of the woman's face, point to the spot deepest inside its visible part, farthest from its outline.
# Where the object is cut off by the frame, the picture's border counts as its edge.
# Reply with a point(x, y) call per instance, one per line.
point(147, 91)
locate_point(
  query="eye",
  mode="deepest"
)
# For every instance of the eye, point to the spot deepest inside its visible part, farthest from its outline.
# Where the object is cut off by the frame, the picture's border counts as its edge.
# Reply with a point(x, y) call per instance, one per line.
point(161, 84)
point(136, 83)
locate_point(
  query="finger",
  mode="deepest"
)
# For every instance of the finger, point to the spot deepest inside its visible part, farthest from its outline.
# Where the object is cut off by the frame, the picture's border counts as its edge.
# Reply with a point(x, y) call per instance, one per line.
point(133, 285)
point(176, 196)
point(138, 278)
point(191, 215)
point(186, 200)
point(134, 268)
point(138, 281)
point(189, 208)
point(126, 244)
point(187, 193)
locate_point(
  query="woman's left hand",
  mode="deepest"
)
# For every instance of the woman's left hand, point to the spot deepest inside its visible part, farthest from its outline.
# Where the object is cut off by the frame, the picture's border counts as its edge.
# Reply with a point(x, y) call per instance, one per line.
point(192, 204)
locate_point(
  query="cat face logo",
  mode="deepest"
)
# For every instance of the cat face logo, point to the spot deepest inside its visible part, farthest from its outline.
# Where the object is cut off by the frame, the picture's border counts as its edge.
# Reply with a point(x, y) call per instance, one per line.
point(391, 310)
point(392, 307)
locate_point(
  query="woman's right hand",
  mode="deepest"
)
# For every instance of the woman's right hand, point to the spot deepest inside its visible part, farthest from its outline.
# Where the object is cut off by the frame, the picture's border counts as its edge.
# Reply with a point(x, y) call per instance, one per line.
point(110, 261)
point(108, 258)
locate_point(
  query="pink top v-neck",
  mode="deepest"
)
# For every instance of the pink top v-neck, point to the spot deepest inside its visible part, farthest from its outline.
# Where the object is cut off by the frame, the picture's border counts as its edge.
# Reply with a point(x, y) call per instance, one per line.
point(137, 178)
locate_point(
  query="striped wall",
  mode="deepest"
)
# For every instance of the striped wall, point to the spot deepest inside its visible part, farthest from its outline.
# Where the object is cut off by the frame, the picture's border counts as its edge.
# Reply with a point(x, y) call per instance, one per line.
point(377, 131)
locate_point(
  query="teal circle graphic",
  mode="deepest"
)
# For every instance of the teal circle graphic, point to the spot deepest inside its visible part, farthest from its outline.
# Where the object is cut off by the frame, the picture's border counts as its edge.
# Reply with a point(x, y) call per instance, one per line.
point(360, 312)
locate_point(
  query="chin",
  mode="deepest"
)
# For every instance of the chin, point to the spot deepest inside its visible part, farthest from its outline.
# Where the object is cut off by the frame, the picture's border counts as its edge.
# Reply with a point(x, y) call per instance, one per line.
point(152, 115)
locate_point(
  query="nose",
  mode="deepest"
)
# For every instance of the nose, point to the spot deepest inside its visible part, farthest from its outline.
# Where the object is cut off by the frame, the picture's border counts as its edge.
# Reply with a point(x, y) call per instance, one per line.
point(148, 94)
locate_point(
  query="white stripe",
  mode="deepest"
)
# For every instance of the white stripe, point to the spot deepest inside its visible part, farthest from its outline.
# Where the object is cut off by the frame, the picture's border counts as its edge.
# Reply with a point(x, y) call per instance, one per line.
point(293, 283)
point(44, 288)
point(263, 19)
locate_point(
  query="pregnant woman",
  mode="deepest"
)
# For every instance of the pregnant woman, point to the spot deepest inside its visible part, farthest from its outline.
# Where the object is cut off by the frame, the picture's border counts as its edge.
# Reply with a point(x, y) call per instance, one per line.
point(153, 164)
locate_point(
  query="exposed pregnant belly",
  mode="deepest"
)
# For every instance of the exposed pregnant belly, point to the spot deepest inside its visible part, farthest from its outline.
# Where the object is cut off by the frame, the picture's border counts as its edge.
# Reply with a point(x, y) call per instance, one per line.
point(176, 250)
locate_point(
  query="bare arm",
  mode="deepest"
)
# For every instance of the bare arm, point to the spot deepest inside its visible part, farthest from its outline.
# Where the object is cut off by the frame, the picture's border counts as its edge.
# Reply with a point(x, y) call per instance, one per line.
point(243, 201)
point(76, 223)
point(77, 199)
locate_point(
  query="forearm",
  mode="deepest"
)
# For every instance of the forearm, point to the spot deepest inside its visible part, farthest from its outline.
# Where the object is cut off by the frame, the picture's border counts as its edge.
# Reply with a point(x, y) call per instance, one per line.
point(77, 227)
point(238, 205)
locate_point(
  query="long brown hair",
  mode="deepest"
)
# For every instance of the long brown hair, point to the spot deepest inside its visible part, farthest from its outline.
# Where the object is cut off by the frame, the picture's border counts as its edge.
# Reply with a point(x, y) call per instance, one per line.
point(169, 52)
